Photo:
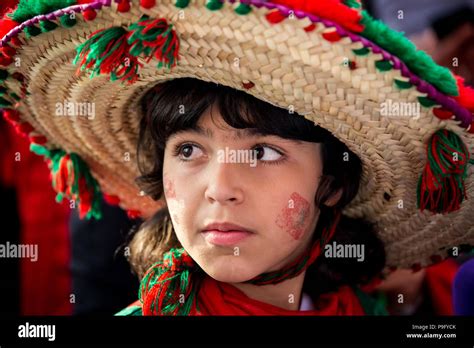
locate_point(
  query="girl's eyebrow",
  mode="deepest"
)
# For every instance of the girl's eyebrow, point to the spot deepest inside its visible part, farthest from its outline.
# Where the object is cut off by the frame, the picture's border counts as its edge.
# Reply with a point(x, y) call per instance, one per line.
point(238, 134)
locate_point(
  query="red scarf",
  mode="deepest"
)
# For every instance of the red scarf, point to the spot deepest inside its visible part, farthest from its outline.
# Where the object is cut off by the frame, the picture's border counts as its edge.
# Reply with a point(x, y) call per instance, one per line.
point(217, 298)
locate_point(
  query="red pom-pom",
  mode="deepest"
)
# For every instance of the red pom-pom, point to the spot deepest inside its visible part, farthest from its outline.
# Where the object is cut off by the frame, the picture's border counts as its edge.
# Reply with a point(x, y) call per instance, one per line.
point(442, 113)
point(5, 61)
point(15, 41)
point(124, 6)
point(89, 14)
point(275, 17)
point(310, 27)
point(7, 24)
point(332, 36)
point(147, 3)
point(8, 51)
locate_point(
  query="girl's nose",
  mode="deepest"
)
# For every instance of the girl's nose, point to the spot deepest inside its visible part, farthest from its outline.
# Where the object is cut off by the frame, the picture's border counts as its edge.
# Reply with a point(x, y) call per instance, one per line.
point(224, 185)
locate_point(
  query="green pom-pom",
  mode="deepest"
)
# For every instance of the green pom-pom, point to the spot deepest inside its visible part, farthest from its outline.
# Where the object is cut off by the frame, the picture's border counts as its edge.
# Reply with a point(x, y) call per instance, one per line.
point(383, 65)
point(426, 102)
point(3, 74)
point(417, 61)
point(15, 96)
point(32, 31)
point(47, 26)
point(214, 5)
point(361, 51)
point(402, 84)
point(182, 3)
point(27, 9)
point(68, 20)
point(243, 9)
point(3, 90)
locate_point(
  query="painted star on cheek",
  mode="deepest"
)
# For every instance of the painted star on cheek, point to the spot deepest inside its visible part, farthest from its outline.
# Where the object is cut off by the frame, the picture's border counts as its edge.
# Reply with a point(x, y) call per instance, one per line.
point(293, 218)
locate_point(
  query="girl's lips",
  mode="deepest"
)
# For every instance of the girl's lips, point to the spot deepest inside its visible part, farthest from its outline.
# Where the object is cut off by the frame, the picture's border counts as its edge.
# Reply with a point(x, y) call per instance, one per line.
point(225, 238)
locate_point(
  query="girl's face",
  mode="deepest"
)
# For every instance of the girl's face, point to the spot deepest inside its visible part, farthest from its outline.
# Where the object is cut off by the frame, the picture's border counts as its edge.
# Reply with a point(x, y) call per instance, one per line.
point(264, 184)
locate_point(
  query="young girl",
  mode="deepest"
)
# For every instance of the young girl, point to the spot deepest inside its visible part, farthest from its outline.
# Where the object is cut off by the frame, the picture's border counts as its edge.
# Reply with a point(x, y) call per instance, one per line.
point(322, 149)
point(249, 232)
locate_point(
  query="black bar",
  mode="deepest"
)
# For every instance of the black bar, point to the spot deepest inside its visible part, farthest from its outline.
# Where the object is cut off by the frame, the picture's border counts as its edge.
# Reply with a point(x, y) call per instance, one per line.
point(242, 330)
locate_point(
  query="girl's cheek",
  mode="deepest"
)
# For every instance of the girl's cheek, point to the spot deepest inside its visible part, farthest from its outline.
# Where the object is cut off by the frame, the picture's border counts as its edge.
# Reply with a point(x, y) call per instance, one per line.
point(295, 216)
point(168, 186)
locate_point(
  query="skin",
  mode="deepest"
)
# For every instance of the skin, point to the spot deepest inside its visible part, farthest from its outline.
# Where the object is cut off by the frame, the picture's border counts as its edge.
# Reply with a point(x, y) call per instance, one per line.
point(274, 201)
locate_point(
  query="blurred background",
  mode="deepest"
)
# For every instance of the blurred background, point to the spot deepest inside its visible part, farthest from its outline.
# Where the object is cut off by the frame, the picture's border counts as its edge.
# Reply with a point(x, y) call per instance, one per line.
point(79, 271)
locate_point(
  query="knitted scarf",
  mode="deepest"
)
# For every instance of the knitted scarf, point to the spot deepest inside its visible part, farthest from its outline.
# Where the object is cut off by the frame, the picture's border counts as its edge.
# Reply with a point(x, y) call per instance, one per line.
point(177, 286)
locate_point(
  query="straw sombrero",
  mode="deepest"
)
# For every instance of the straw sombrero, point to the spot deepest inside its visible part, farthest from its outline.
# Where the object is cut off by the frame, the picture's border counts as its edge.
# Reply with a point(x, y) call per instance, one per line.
point(329, 60)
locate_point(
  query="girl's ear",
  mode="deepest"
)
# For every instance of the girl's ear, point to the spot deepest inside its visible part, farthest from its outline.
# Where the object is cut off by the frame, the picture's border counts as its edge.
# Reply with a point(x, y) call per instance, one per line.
point(331, 201)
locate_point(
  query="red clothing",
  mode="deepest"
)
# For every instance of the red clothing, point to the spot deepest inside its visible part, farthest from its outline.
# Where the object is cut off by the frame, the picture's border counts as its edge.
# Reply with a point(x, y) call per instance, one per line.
point(45, 284)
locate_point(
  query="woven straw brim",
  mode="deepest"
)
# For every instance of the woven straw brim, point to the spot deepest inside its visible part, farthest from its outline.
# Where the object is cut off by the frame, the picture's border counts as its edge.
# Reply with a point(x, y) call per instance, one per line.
point(288, 66)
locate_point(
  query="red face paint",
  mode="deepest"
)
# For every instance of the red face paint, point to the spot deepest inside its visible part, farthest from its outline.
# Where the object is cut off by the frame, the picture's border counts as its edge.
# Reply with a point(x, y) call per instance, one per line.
point(294, 217)
point(169, 188)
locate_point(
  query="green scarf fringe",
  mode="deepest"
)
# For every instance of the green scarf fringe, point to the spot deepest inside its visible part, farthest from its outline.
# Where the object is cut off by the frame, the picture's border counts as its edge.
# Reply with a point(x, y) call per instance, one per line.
point(417, 61)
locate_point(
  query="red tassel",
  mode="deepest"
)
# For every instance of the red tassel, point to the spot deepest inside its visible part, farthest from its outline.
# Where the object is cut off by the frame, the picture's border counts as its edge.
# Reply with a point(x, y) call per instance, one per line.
point(124, 6)
point(147, 3)
point(15, 41)
point(442, 114)
point(7, 24)
point(275, 17)
point(332, 36)
point(85, 198)
point(333, 10)
point(89, 14)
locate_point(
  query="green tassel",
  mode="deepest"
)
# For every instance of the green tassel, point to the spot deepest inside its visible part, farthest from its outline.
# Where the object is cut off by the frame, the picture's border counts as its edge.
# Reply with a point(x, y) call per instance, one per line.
point(182, 3)
point(383, 65)
point(441, 186)
point(214, 5)
point(47, 26)
point(402, 84)
point(243, 9)
point(67, 21)
point(417, 61)
point(426, 102)
point(32, 31)
point(361, 51)
point(28, 9)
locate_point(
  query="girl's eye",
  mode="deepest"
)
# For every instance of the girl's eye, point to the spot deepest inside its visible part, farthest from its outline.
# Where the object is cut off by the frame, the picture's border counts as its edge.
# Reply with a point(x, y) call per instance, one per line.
point(267, 154)
point(187, 152)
